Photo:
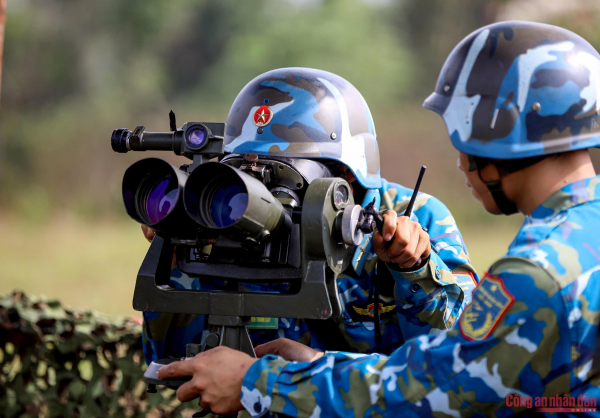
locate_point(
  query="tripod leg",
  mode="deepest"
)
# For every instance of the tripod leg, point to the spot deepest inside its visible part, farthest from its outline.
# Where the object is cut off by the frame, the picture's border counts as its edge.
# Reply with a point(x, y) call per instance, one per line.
point(238, 339)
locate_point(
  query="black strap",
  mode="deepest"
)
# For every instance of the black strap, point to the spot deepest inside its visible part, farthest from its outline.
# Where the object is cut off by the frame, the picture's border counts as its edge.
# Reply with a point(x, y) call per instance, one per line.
point(505, 167)
point(328, 330)
point(376, 318)
point(330, 334)
point(506, 206)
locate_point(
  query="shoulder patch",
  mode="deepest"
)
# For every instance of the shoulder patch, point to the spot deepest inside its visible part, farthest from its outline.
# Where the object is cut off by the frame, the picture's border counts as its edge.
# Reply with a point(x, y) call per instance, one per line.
point(490, 302)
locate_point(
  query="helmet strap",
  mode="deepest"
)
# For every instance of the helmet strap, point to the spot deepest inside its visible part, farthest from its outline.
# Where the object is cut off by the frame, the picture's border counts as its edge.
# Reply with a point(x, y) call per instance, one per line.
point(495, 187)
point(505, 167)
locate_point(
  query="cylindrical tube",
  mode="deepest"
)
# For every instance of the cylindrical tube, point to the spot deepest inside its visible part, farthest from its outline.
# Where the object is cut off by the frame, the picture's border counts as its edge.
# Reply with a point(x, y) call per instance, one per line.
point(152, 194)
point(123, 140)
point(221, 197)
point(152, 141)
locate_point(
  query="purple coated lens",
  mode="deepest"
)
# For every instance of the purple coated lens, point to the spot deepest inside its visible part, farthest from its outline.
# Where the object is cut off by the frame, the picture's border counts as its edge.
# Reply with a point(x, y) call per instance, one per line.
point(228, 205)
point(197, 137)
point(162, 198)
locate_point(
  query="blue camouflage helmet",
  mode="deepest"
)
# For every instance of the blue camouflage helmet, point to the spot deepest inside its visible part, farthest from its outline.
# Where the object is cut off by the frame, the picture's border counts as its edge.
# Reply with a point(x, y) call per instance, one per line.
point(305, 113)
point(514, 90)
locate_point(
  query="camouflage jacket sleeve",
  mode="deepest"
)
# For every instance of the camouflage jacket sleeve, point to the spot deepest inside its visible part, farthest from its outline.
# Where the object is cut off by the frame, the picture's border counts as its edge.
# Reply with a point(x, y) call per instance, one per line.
point(500, 347)
point(431, 298)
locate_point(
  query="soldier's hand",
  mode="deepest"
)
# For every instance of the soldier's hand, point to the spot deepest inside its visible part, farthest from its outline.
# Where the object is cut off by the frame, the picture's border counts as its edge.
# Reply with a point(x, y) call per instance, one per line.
point(148, 232)
point(289, 350)
point(410, 242)
point(217, 376)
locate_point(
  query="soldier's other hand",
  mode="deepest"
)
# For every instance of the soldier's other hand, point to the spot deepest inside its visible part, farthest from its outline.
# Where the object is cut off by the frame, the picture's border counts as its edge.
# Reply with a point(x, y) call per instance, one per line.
point(148, 232)
point(289, 350)
point(217, 376)
point(410, 242)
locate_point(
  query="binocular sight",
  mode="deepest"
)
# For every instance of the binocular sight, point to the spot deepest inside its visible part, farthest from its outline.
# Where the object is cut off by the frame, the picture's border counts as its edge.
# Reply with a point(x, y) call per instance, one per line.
point(287, 226)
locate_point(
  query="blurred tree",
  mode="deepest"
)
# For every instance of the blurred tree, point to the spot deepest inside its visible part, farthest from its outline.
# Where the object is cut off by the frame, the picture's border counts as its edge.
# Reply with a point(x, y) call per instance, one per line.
point(73, 71)
point(2, 24)
point(432, 29)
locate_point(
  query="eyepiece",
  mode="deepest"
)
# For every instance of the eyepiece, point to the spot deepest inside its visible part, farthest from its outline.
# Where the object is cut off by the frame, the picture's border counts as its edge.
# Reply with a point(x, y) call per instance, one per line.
point(118, 140)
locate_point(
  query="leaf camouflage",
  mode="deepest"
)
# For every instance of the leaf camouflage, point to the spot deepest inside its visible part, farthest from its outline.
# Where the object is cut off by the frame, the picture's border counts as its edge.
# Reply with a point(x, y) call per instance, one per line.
point(62, 362)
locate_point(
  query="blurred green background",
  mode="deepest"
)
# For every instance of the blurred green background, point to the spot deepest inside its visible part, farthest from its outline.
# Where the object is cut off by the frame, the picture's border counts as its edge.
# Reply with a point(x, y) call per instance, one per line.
point(74, 71)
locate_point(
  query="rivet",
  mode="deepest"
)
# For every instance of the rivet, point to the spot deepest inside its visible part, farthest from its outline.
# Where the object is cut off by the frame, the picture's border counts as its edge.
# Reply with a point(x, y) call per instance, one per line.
point(259, 130)
point(447, 88)
point(333, 135)
point(536, 107)
point(251, 157)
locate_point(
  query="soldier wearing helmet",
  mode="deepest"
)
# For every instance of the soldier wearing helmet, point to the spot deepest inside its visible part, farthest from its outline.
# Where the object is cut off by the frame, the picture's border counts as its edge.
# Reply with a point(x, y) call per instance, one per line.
point(295, 114)
point(520, 101)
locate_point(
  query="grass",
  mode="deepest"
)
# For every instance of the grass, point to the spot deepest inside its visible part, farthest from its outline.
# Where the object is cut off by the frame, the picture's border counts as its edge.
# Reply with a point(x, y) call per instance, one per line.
point(94, 265)
point(85, 265)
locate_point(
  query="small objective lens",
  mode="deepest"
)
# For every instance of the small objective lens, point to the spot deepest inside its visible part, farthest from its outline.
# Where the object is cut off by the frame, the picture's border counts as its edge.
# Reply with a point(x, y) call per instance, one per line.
point(197, 137)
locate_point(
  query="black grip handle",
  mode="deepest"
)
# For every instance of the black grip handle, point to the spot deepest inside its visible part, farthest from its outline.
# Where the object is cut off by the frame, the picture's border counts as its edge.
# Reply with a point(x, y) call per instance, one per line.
point(371, 213)
point(409, 208)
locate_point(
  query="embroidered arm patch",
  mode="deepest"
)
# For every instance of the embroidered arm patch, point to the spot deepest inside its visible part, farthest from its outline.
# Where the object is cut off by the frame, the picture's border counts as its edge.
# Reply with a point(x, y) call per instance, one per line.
point(490, 302)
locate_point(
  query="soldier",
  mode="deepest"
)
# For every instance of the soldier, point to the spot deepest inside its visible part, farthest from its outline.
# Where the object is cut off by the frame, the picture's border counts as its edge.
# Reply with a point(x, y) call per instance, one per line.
point(303, 113)
point(521, 103)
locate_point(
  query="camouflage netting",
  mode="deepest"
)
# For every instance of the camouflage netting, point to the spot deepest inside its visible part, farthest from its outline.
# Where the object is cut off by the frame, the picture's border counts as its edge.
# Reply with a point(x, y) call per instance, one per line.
point(61, 362)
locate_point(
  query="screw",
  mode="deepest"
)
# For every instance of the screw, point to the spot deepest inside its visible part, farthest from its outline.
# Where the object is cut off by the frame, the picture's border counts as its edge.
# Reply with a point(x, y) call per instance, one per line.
point(333, 135)
point(536, 107)
point(447, 88)
point(259, 130)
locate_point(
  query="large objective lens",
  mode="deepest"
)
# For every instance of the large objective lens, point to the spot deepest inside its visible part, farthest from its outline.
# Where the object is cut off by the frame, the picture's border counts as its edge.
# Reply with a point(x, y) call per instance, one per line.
point(161, 198)
point(229, 201)
point(228, 205)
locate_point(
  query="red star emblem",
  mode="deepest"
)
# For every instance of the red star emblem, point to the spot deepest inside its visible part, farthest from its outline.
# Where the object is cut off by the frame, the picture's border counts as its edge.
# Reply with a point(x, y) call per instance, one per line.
point(262, 116)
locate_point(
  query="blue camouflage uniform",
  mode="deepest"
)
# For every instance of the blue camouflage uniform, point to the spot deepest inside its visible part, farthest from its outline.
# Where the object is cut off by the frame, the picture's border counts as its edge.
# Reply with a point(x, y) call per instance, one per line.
point(530, 330)
point(510, 94)
point(421, 302)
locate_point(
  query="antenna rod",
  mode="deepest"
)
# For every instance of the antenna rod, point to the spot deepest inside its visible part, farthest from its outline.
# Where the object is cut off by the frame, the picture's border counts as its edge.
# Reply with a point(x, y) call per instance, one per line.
point(409, 208)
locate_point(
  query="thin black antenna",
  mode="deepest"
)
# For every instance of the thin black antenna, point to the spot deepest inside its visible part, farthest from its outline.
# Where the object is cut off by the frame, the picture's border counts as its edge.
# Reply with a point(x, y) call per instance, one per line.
point(409, 208)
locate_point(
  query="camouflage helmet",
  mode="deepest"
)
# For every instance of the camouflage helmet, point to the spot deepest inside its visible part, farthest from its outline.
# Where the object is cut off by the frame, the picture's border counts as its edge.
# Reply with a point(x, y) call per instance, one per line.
point(513, 90)
point(305, 113)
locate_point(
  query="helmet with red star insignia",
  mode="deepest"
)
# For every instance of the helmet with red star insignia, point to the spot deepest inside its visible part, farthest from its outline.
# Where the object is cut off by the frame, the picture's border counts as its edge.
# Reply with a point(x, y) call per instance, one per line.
point(305, 113)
